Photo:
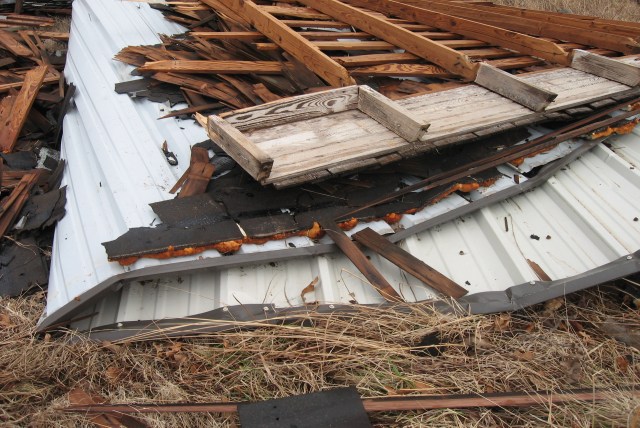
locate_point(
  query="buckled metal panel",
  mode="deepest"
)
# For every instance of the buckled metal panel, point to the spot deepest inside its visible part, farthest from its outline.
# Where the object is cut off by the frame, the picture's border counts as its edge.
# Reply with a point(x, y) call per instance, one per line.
point(581, 219)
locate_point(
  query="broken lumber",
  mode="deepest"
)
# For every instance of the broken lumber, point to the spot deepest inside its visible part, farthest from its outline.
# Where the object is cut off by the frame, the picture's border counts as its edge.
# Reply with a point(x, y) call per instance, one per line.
point(287, 39)
point(11, 205)
point(484, 75)
point(13, 122)
point(361, 262)
point(409, 263)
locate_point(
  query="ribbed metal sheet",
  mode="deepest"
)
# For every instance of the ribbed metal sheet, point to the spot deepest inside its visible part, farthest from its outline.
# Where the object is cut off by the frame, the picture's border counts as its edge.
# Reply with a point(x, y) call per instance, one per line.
point(584, 216)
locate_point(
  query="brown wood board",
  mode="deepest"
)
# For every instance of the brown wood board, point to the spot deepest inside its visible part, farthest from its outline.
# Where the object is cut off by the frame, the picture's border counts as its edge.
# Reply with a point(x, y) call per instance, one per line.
point(361, 262)
point(409, 263)
point(12, 124)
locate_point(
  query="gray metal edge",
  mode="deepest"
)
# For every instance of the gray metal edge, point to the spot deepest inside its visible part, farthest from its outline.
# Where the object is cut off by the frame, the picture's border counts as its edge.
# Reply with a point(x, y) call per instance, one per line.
point(268, 256)
point(244, 316)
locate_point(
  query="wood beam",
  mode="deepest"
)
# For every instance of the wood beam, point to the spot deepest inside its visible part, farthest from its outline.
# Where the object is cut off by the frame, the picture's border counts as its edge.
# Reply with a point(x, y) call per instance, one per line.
point(565, 32)
point(255, 161)
point(436, 53)
point(392, 115)
point(360, 261)
point(503, 83)
point(496, 36)
point(508, 85)
point(409, 263)
point(373, 45)
point(293, 43)
point(208, 67)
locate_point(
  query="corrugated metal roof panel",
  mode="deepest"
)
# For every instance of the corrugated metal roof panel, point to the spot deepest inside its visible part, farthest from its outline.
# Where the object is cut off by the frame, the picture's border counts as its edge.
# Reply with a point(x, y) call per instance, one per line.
point(116, 168)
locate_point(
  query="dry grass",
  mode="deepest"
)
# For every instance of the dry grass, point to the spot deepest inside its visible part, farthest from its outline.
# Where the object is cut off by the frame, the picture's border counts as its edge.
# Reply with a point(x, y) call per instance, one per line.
point(558, 345)
point(625, 10)
point(553, 346)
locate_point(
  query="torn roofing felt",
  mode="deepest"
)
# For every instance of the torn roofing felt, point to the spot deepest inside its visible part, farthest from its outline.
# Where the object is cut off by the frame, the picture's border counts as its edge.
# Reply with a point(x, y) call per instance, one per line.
point(116, 168)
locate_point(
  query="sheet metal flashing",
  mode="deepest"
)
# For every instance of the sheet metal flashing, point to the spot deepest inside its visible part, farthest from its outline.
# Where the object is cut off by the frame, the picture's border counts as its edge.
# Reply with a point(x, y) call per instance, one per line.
point(116, 167)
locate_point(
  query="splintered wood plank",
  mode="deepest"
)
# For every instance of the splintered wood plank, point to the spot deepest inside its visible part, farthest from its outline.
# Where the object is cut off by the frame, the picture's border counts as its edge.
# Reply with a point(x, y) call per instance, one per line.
point(252, 159)
point(436, 53)
point(212, 67)
point(12, 125)
point(606, 67)
point(409, 263)
point(264, 93)
point(11, 206)
point(364, 265)
point(12, 45)
point(505, 84)
point(296, 109)
point(390, 114)
point(289, 40)
point(491, 34)
point(218, 91)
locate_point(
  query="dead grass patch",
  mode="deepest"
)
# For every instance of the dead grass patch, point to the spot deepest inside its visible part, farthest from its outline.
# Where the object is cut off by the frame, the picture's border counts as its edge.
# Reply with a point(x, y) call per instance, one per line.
point(625, 10)
point(549, 347)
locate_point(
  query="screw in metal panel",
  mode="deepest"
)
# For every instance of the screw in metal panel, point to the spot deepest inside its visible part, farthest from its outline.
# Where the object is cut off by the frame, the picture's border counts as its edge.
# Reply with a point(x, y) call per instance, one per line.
point(266, 308)
point(225, 309)
point(332, 307)
point(532, 282)
point(629, 257)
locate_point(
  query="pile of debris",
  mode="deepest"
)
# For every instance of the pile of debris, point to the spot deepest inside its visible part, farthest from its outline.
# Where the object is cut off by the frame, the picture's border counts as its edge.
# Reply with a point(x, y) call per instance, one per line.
point(33, 101)
point(239, 54)
point(282, 184)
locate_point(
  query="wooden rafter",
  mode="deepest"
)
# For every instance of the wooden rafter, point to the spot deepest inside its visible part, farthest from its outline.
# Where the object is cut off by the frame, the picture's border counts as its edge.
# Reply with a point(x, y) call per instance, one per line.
point(496, 36)
point(287, 39)
point(436, 53)
point(564, 31)
point(508, 85)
